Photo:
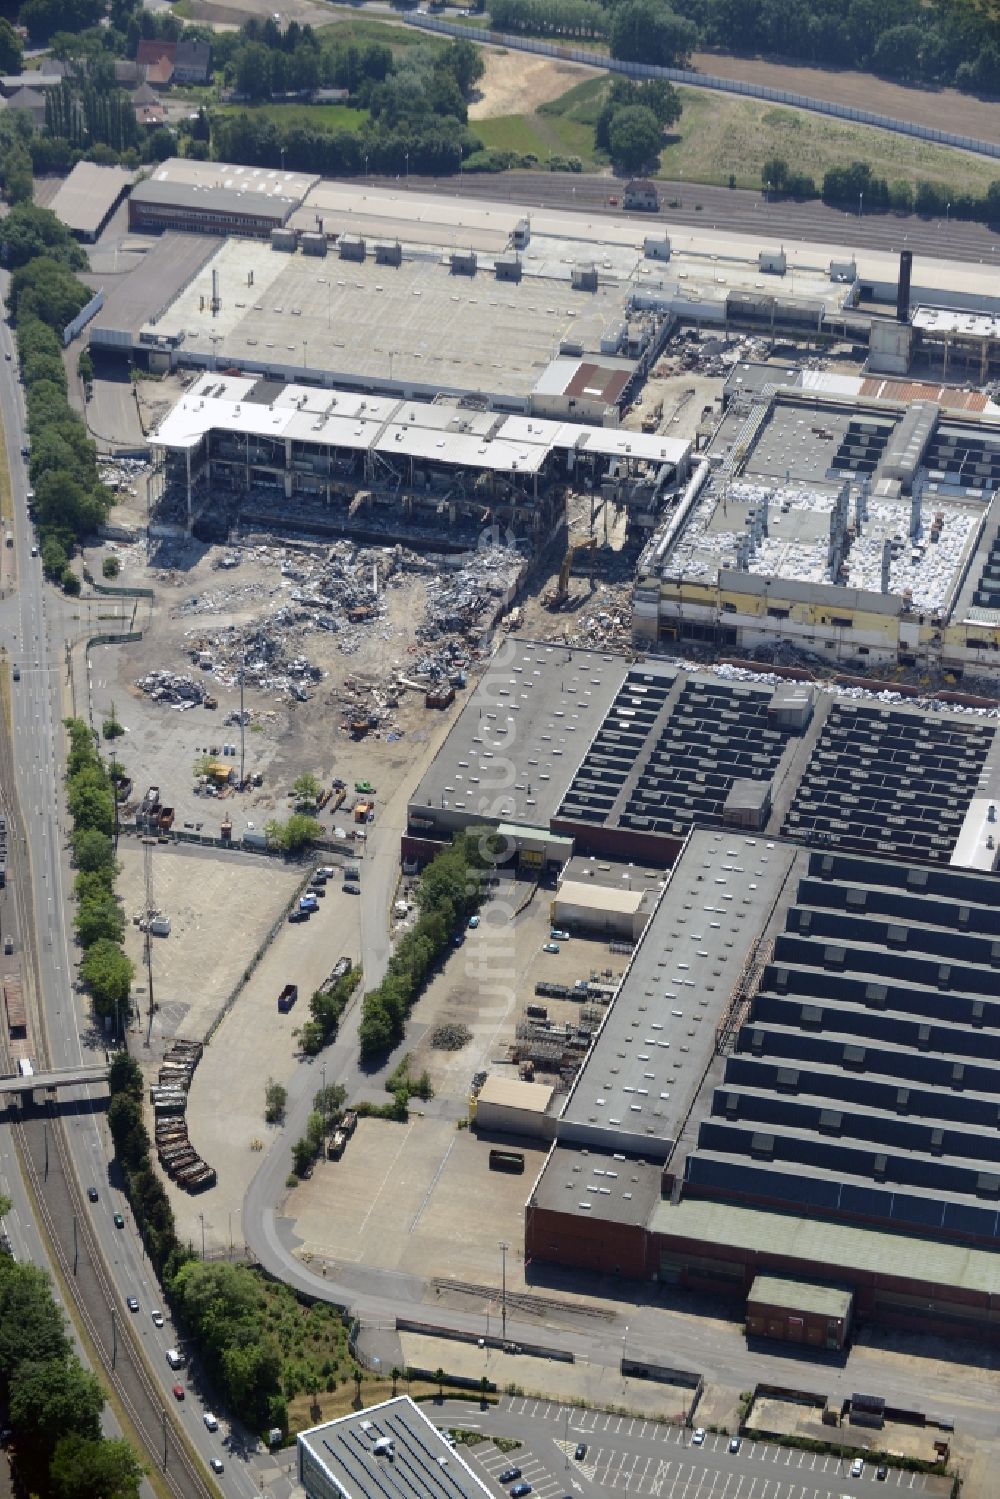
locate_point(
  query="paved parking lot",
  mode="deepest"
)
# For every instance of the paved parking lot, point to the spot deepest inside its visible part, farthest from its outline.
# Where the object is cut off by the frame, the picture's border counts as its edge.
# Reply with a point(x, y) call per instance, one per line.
point(631, 1456)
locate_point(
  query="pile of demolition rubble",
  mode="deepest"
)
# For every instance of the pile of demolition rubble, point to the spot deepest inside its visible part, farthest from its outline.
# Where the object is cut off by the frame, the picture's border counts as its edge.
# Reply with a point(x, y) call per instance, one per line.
point(175, 690)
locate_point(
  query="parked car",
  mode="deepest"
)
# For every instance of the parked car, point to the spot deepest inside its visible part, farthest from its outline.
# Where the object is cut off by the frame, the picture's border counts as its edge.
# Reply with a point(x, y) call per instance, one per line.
point(735, 1444)
point(857, 1467)
point(520, 1490)
point(581, 1451)
point(177, 1391)
point(473, 923)
point(351, 888)
point(509, 1475)
point(699, 1436)
point(882, 1472)
point(297, 915)
point(558, 935)
point(551, 947)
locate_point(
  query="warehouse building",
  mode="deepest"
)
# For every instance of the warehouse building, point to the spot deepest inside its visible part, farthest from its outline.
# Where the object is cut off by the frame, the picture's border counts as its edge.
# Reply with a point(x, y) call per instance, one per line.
point(203, 197)
point(799, 1076)
point(512, 1106)
point(619, 761)
point(381, 1452)
point(88, 197)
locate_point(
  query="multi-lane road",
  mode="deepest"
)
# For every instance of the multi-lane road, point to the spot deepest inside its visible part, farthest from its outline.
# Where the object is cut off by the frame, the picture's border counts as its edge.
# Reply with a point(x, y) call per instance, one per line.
point(110, 1263)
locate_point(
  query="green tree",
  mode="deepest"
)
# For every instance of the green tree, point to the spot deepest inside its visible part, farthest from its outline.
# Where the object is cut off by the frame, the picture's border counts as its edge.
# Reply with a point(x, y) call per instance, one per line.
point(110, 567)
point(252, 1373)
point(108, 974)
point(128, 1131)
point(306, 789)
point(96, 919)
point(297, 834)
point(329, 1102)
point(11, 51)
point(32, 1328)
point(635, 136)
point(649, 31)
point(93, 851)
point(303, 1155)
point(54, 557)
point(54, 1398)
point(465, 61)
point(83, 1469)
point(125, 1074)
point(275, 1101)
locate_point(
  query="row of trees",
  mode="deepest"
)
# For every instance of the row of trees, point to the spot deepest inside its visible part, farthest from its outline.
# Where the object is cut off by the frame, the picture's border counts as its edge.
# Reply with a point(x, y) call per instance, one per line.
point(326, 1009)
point(86, 113)
point(451, 889)
point(856, 187)
point(53, 1404)
point(100, 924)
point(571, 18)
point(951, 41)
point(44, 295)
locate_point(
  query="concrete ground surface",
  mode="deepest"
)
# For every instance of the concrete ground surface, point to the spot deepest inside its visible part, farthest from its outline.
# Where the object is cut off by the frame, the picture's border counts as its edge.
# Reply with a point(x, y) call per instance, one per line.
point(796, 1419)
point(417, 1197)
point(254, 1042)
point(220, 906)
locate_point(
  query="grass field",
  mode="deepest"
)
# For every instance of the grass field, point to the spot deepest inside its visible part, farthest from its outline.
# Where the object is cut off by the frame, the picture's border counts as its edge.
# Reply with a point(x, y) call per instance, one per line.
point(719, 136)
point(349, 26)
point(319, 116)
point(565, 127)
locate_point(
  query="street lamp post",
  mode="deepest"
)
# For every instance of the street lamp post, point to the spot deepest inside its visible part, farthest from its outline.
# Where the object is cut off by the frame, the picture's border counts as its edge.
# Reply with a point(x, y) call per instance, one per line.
point(502, 1291)
point(947, 214)
point(861, 200)
point(407, 168)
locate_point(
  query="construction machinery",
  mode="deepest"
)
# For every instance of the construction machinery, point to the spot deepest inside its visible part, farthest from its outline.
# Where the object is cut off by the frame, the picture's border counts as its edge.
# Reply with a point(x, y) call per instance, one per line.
point(556, 597)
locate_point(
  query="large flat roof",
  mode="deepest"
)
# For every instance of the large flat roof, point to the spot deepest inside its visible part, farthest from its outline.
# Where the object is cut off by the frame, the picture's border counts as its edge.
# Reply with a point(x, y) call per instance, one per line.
point(415, 323)
point(135, 300)
point(802, 1296)
point(517, 742)
point(413, 218)
point(260, 199)
point(718, 1225)
point(88, 195)
point(185, 171)
point(603, 1184)
point(658, 1036)
point(383, 1452)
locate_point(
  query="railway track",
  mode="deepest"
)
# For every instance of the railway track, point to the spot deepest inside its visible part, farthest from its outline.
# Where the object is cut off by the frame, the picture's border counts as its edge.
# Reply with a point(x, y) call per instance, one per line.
point(62, 1210)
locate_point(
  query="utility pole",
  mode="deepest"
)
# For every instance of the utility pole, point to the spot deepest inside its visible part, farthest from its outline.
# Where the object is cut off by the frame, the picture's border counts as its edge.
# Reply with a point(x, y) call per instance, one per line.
point(45, 1132)
point(76, 1246)
point(147, 861)
point(502, 1291)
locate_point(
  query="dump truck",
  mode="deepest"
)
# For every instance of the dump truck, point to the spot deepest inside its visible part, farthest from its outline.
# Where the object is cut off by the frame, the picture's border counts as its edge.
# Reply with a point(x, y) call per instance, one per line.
point(287, 997)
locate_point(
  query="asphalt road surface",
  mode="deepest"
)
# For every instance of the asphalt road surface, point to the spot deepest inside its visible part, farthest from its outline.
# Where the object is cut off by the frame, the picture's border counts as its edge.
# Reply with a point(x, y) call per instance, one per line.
point(735, 210)
point(35, 621)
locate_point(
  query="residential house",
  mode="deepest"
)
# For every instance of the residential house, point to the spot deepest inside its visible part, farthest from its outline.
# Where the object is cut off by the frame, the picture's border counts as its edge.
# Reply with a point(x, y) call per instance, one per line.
point(193, 62)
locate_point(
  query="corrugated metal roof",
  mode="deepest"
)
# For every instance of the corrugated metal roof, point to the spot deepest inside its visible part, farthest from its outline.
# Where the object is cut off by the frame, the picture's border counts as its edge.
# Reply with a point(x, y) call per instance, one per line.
point(817, 1241)
point(511, 1093)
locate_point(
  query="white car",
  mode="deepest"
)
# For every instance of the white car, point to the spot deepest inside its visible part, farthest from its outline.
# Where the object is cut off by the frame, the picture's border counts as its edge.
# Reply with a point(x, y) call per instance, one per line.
point(857, 1467)
point(210, 1421)
point(698, 1437)
point(157, 1318)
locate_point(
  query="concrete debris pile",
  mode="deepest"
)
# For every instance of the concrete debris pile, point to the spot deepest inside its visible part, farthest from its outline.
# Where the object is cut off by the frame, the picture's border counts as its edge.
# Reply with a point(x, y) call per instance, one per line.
point(122, 474)
point(705, 353)
point(468, 601)
point(170, 688)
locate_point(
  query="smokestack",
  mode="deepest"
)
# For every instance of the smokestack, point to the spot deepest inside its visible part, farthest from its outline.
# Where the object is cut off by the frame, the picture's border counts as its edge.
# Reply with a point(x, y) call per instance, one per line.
point(903, 290)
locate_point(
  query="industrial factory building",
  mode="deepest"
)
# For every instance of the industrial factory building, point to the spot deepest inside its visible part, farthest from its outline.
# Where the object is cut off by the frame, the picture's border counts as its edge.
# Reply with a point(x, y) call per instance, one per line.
point(798, 1077)
point(860, 528)
point(237, 449)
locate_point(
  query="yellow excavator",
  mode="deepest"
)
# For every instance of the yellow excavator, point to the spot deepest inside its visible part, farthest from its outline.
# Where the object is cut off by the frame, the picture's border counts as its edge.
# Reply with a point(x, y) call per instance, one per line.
point(556, 597)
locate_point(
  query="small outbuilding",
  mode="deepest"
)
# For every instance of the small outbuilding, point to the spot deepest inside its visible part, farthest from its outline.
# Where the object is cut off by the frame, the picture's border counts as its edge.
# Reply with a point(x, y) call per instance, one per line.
point(799, 1311)
point(591, 907)
point(508, 1106)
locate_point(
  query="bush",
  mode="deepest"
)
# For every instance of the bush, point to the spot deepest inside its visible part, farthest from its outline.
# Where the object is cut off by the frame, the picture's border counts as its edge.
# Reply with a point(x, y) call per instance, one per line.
point(111, 567)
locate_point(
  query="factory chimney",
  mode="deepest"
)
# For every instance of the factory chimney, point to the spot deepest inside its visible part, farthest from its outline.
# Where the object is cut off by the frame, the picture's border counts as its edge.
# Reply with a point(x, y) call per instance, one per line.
point(903, 289)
